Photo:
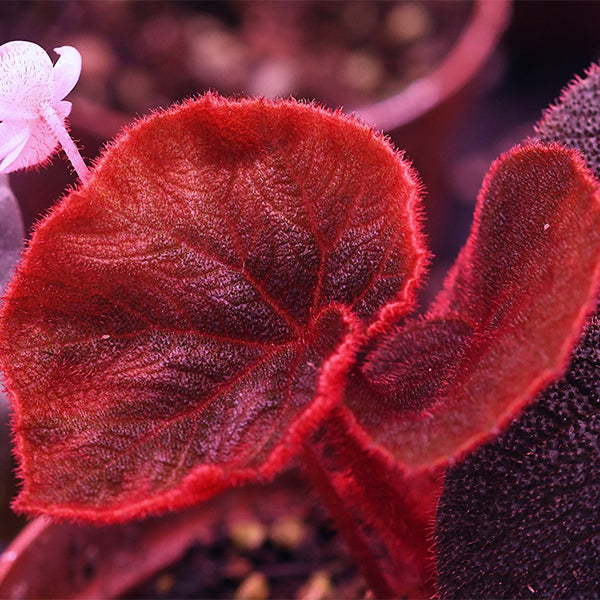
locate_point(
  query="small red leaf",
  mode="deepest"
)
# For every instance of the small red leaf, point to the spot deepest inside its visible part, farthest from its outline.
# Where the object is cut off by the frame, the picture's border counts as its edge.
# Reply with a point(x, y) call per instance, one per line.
point(522, 287)
point(410, 367)
point(179, 323)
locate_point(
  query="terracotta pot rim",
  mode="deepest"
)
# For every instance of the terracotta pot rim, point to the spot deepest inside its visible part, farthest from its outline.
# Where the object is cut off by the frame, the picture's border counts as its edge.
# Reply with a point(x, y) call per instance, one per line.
point(476, 43)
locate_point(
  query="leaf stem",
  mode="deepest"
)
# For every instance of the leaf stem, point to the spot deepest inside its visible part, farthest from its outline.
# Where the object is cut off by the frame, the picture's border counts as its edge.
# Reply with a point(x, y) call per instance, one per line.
point(347, 526)
point(385, 516)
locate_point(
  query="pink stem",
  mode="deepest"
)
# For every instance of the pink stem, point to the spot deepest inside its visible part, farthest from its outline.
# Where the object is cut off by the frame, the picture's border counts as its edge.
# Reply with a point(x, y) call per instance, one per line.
point(68, 145)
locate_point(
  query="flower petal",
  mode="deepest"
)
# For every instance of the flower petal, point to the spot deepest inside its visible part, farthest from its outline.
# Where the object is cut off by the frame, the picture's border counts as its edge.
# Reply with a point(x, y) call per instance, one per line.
point(13, 138)
point(40, 145)
point(25, 144)
point(25, 80)
point(63, 109)
point(8, 112)
point(66, 71)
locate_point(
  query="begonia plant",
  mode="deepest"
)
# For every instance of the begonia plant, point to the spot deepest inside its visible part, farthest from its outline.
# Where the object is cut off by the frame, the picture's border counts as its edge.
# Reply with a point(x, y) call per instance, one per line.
point(233, 286)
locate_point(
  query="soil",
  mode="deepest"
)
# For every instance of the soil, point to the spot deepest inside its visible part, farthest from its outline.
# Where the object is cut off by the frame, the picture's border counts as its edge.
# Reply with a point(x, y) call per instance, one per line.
point(255, 542)
point(280, 545)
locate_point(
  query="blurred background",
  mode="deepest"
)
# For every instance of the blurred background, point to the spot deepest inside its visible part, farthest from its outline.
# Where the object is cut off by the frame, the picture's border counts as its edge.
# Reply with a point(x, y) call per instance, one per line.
point(139, 56)
point(454, 83)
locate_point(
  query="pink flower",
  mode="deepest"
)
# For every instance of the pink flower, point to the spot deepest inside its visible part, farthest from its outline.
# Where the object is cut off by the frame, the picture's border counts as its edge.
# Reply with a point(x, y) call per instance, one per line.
point(32, 108)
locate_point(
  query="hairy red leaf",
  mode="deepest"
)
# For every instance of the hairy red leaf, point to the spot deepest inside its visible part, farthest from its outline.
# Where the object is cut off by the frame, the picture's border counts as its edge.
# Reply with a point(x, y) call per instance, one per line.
point(505, 323)
point(179, 323)
point(519, 516)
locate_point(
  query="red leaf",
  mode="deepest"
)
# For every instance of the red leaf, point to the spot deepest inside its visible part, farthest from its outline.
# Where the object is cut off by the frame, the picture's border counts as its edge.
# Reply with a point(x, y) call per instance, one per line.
point(179, 323)
point(521, 288)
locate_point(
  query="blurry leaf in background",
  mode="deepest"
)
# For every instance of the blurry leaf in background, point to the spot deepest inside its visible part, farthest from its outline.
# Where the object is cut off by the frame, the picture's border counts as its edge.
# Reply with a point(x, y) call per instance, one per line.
point(11, 231)
point(11, 243)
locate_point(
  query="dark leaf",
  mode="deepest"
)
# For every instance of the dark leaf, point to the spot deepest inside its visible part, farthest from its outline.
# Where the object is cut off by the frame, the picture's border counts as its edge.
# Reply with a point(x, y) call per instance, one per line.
point(519, 518)
point(575, 118)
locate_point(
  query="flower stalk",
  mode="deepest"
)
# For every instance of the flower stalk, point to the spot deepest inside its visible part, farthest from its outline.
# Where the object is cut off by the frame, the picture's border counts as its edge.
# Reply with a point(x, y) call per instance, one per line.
point(32, 106)
point(69, 147)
